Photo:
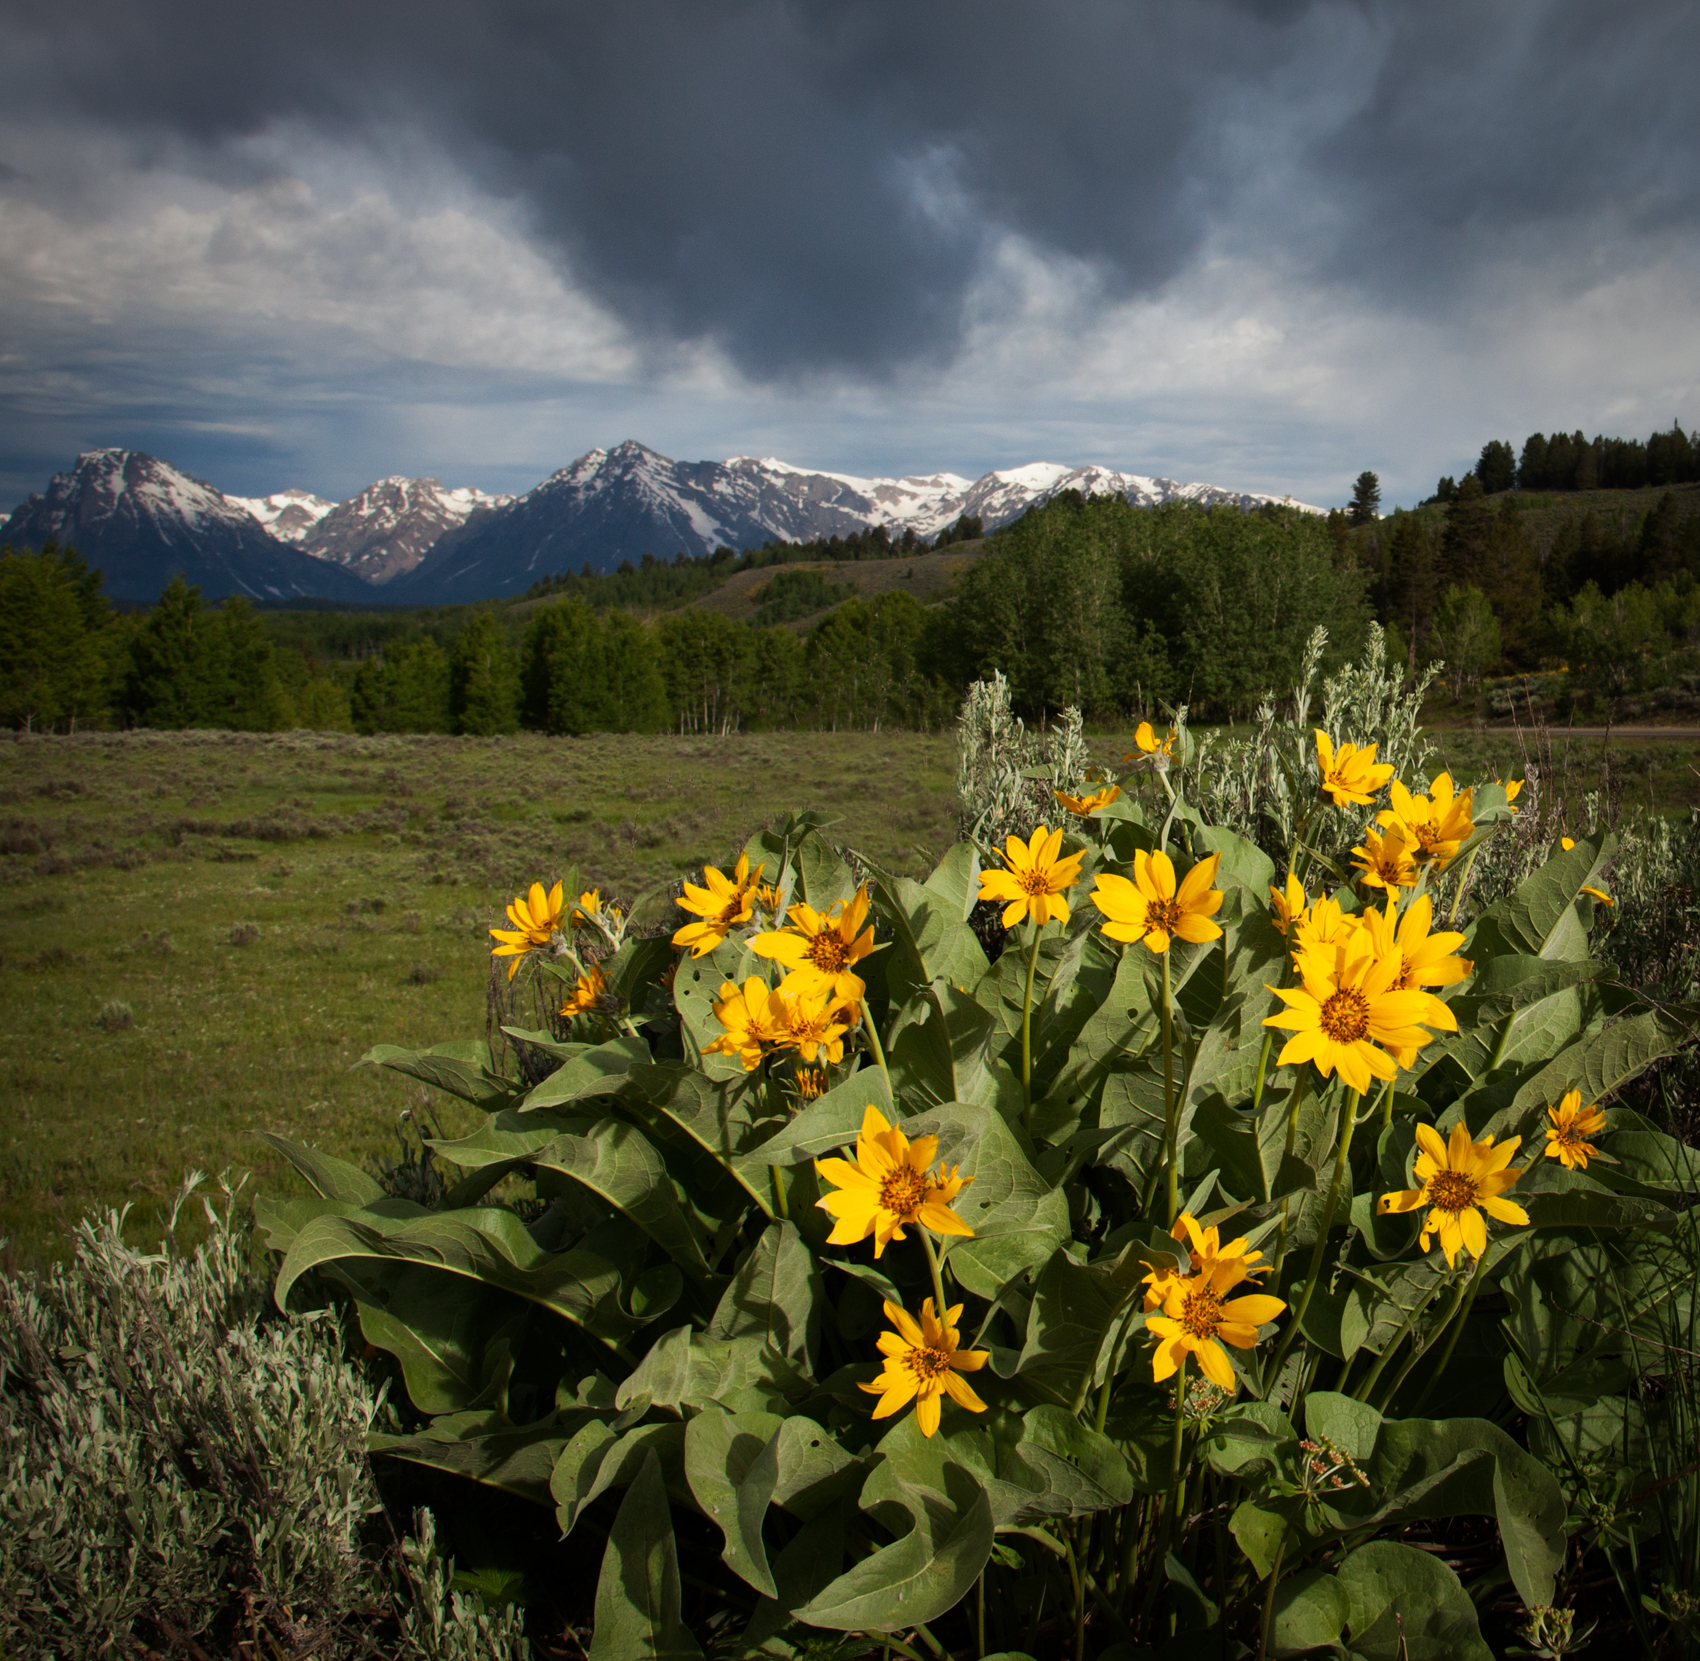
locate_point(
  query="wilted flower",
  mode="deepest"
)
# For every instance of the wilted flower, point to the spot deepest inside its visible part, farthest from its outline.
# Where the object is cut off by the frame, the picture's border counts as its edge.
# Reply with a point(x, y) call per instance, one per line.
point(591, 995)
point(1572, 1125)
point(1033, 883)
point(890, 1186)
point(535, 917)
point(1152, 909)
point(1460, 1180)
point(923, 1363)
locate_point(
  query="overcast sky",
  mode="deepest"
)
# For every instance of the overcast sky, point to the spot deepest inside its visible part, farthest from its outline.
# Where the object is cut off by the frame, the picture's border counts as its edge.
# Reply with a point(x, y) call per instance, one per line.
point(1265, 244)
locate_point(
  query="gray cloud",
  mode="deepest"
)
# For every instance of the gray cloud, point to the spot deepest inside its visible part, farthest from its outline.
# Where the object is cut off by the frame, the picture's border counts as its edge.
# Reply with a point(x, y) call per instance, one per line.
point(1306, 233)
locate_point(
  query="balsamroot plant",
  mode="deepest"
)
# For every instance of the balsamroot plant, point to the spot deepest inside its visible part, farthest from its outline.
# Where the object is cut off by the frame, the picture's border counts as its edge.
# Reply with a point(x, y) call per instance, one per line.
point(1166, 1285)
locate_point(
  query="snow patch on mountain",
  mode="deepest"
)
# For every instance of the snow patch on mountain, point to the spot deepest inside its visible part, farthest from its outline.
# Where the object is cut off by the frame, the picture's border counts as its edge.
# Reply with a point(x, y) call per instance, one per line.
point(288, 514)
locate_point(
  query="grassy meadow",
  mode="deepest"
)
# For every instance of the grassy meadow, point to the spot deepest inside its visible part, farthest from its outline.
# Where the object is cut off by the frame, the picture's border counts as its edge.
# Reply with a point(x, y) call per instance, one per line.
point(270, 906)
point(137, 868)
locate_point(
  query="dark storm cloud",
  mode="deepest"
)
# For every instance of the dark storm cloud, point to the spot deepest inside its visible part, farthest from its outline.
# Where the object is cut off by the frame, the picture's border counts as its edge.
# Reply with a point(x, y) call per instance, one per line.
point(817, 186)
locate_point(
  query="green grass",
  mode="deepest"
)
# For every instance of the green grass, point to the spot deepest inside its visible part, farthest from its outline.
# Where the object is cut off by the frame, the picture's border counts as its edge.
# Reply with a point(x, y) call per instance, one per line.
point(372, 868)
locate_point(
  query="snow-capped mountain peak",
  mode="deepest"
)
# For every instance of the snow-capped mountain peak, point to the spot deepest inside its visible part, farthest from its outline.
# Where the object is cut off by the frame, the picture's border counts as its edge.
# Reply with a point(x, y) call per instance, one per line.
point(288, 514)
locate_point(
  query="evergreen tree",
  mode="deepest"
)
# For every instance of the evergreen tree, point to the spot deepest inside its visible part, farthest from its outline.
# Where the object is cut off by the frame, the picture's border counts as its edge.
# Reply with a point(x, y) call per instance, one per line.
point(483, 688)
point(1365, 508)
point(56, 641)
point(176, 677)
point(403, 689)
point(1497, 467)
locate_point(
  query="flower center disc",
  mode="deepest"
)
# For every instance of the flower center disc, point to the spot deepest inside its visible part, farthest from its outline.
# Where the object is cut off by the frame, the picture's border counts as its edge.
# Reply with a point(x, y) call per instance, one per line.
point(927, 1363)
point(903, 1191)
point(1345, 1017)
point(1162, 914)
point(1452, 1191)
point(826, 952)
point(1201, 1313)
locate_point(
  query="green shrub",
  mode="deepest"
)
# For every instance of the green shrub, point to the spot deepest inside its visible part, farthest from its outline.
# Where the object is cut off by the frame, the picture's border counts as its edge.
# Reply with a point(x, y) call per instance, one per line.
point(180, 1467)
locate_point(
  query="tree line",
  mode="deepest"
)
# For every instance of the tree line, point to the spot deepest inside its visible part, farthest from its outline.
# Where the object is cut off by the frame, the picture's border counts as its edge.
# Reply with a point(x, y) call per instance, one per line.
point(1568, 461)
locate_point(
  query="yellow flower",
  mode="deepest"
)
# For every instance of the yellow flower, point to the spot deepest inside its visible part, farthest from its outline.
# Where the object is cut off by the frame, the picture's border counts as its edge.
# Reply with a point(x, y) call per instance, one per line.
point(1345, 1006)
point(590, 995)
point(1349, 774)
point(923, 1363)
point(1512, 787)
point(767, 896)
point(1033, 883)
point(1147, 746)
point(1152, 909)
point(1206, 1253)
point(1323, 928)
point(1570, 1128)
point(535, 918)
point(1436, 825)
point(888, 1187)
point(1604, 899)
point(746, 1012)
point(722, 905)
point(1424, 959)
point(811, 1083)
point(1196, 1320)
point(1290, 907)
point(820, 947)
point(1385, 860)
point(1460, 1180)
point(589, 903)
point(1566, 844)
point(804, 1024)
point(1085, 806)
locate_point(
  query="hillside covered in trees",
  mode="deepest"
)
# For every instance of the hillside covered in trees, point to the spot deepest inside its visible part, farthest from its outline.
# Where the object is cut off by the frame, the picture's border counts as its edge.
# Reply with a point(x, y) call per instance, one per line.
point(1515, 568)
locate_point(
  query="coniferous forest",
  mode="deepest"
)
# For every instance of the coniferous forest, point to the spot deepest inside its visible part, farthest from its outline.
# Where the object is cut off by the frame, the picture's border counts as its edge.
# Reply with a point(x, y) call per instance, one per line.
point(1573, 565)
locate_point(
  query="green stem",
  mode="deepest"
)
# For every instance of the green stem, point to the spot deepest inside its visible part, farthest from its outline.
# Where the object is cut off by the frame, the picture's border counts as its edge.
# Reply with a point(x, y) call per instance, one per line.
point(980, 1612)
point(937, 1268)
point(1387, 1106)
point(873, 1033)
point(1294, 1102)
point(1463, 883)
point(779, 1209)
point(1104, 1390)
point(1456, 1316)
point(1362, 1393)
point(1027, 1034)
point(1172, 1502)
point(1342, 1158)
point(1257, 1089)
point(1268, 1621)
point(1077, 1569)
point(1171, 1104)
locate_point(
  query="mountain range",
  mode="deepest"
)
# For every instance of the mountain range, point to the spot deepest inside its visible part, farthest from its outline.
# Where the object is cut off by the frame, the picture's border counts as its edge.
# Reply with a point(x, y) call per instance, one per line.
point(414, 542)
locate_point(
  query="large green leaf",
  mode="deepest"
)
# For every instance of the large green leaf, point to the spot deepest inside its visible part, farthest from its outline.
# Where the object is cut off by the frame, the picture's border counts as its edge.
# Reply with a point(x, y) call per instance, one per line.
point(804, 1569)
point(1069, 1469)
point(1121, 1027)
point(775, 1296)
point(696, 988)
point(732, 1465)
point(600, 1070)
point(487, 1246)
point(1069, 1327)
point(637, 1593)
point(1406, 1605)
point(1017, 1217)
point(1454, 1467)
point(484, 1447)
point(714, 1116)
point(334, 1179)
point(454, 1339)
point(1557, 1198)
point(930, 937)
point(1542, 918)
point(956, 880)
point(615, 1161)
point(1311, 1612)
point(917, 1579)
point(597, 1459)
point(1646, 1155)
point(463, 1068)
point(823, 1127)
point(684, 1369)
point(938, 1051)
